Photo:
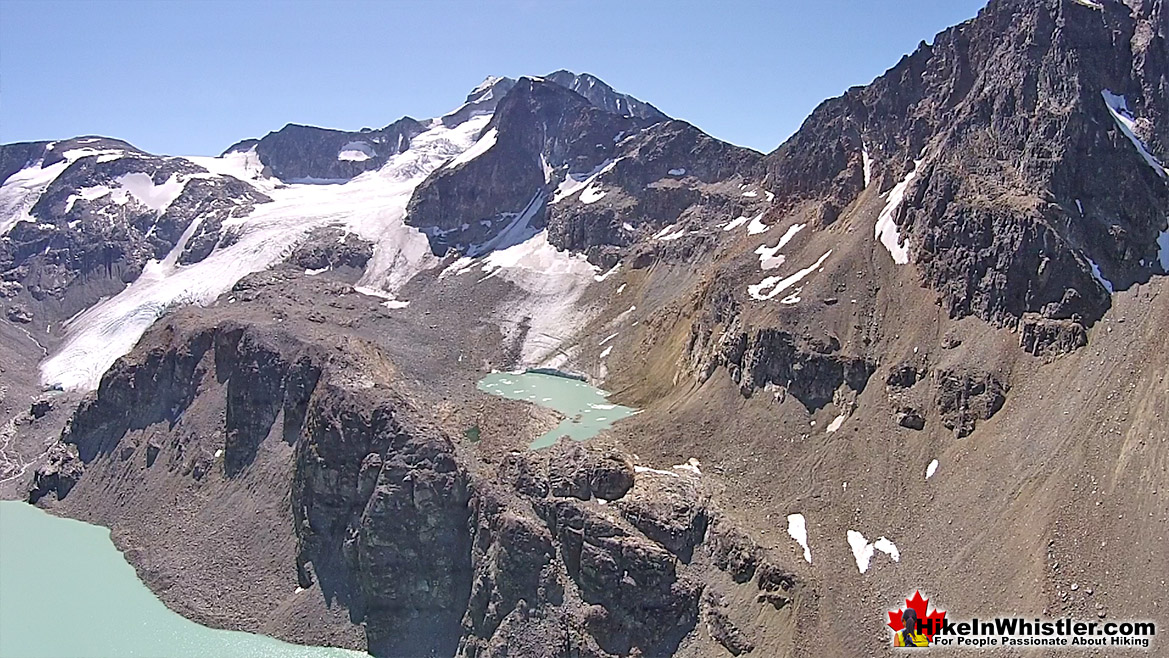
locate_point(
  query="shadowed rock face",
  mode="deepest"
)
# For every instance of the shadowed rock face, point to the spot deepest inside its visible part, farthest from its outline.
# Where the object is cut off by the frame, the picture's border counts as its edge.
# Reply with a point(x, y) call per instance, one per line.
point(644, 172)
point(1024, 178)
point(298, 152)
point(562, 552)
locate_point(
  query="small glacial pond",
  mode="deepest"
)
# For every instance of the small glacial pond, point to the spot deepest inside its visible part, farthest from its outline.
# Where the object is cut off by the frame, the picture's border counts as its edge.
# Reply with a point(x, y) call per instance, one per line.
point(65, 590)
point(586, 411)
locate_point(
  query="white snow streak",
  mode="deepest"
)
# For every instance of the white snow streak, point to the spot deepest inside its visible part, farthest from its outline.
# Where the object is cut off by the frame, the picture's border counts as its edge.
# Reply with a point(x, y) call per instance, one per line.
point(931, 469)
point(886, 228)
point(778, 285)
point(1118, 107)
point(798, 529)
point(836, 423)
point(480, 147)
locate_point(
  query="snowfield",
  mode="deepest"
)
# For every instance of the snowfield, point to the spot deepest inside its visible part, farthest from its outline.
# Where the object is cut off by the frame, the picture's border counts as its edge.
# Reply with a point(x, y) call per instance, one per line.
point(886, 229)
point(371, 206)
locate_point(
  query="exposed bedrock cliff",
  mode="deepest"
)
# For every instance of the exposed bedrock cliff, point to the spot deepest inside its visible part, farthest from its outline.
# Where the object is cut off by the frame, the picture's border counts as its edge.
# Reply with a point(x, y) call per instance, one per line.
point(569, 551)
point(813, 368)
point(1024, 192)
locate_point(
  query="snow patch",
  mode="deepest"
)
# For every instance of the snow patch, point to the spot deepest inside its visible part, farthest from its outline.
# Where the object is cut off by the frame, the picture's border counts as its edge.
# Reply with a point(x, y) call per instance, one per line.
point(751, 194)
point(736, 223)
point(356, 152)
point(886, 229)
point(757, 226)
point(836, 423)
point(769, 257)
point(778, 284)
point(798, 529)
point(592, 194)
point(574, 183)
point(862, 550)
point(677, 172)
point(156, 197)
point(1105, 283)
point(931, 469)
point(479, 148)
point(1089, 3)
point(20, 192)
point(1118, 107)
point(867, 162)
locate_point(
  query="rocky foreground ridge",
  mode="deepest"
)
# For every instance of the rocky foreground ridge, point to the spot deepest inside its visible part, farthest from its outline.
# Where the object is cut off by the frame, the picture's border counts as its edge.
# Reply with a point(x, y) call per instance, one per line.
point(428, 547)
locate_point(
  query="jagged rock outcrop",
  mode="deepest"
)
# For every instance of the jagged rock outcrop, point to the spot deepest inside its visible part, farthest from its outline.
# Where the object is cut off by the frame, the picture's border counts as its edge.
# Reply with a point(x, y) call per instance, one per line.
point(811, 368)
point(565, 552)
point(106, 210)
point(963, 399)
point(60, 472)
point(1025, 182)
point(308, 153)
point(598, 173)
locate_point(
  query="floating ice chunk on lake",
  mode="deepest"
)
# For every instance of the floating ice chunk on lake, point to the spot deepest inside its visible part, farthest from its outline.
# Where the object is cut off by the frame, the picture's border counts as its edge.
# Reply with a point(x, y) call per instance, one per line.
point(356, 152)
point(886, 229)
point(798, 529)
point(931, 469)
point(836, 423)
point(778, 285)
point(677, 172)
point(1118, 107)
point(479, 148)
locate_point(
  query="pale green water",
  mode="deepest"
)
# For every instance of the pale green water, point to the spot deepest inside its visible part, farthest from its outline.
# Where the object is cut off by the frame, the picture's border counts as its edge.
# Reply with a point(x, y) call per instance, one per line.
point(585, 408)
point(65, 591)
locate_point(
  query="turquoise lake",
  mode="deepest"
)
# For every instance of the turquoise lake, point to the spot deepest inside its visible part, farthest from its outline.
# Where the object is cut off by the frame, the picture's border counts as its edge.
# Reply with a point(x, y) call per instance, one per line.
point(586, 410)
point(66, 591)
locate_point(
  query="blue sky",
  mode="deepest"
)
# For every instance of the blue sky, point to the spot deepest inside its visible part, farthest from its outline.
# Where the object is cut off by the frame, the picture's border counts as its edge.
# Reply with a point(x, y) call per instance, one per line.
point(193, 77)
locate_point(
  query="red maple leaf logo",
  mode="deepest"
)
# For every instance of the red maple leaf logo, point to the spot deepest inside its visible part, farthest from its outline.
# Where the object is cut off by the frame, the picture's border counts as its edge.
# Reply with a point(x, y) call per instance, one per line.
point(931, 622)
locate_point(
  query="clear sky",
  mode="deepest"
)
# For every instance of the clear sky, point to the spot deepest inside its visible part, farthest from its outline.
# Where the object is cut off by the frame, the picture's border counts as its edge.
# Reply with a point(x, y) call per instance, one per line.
point(192, 77)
